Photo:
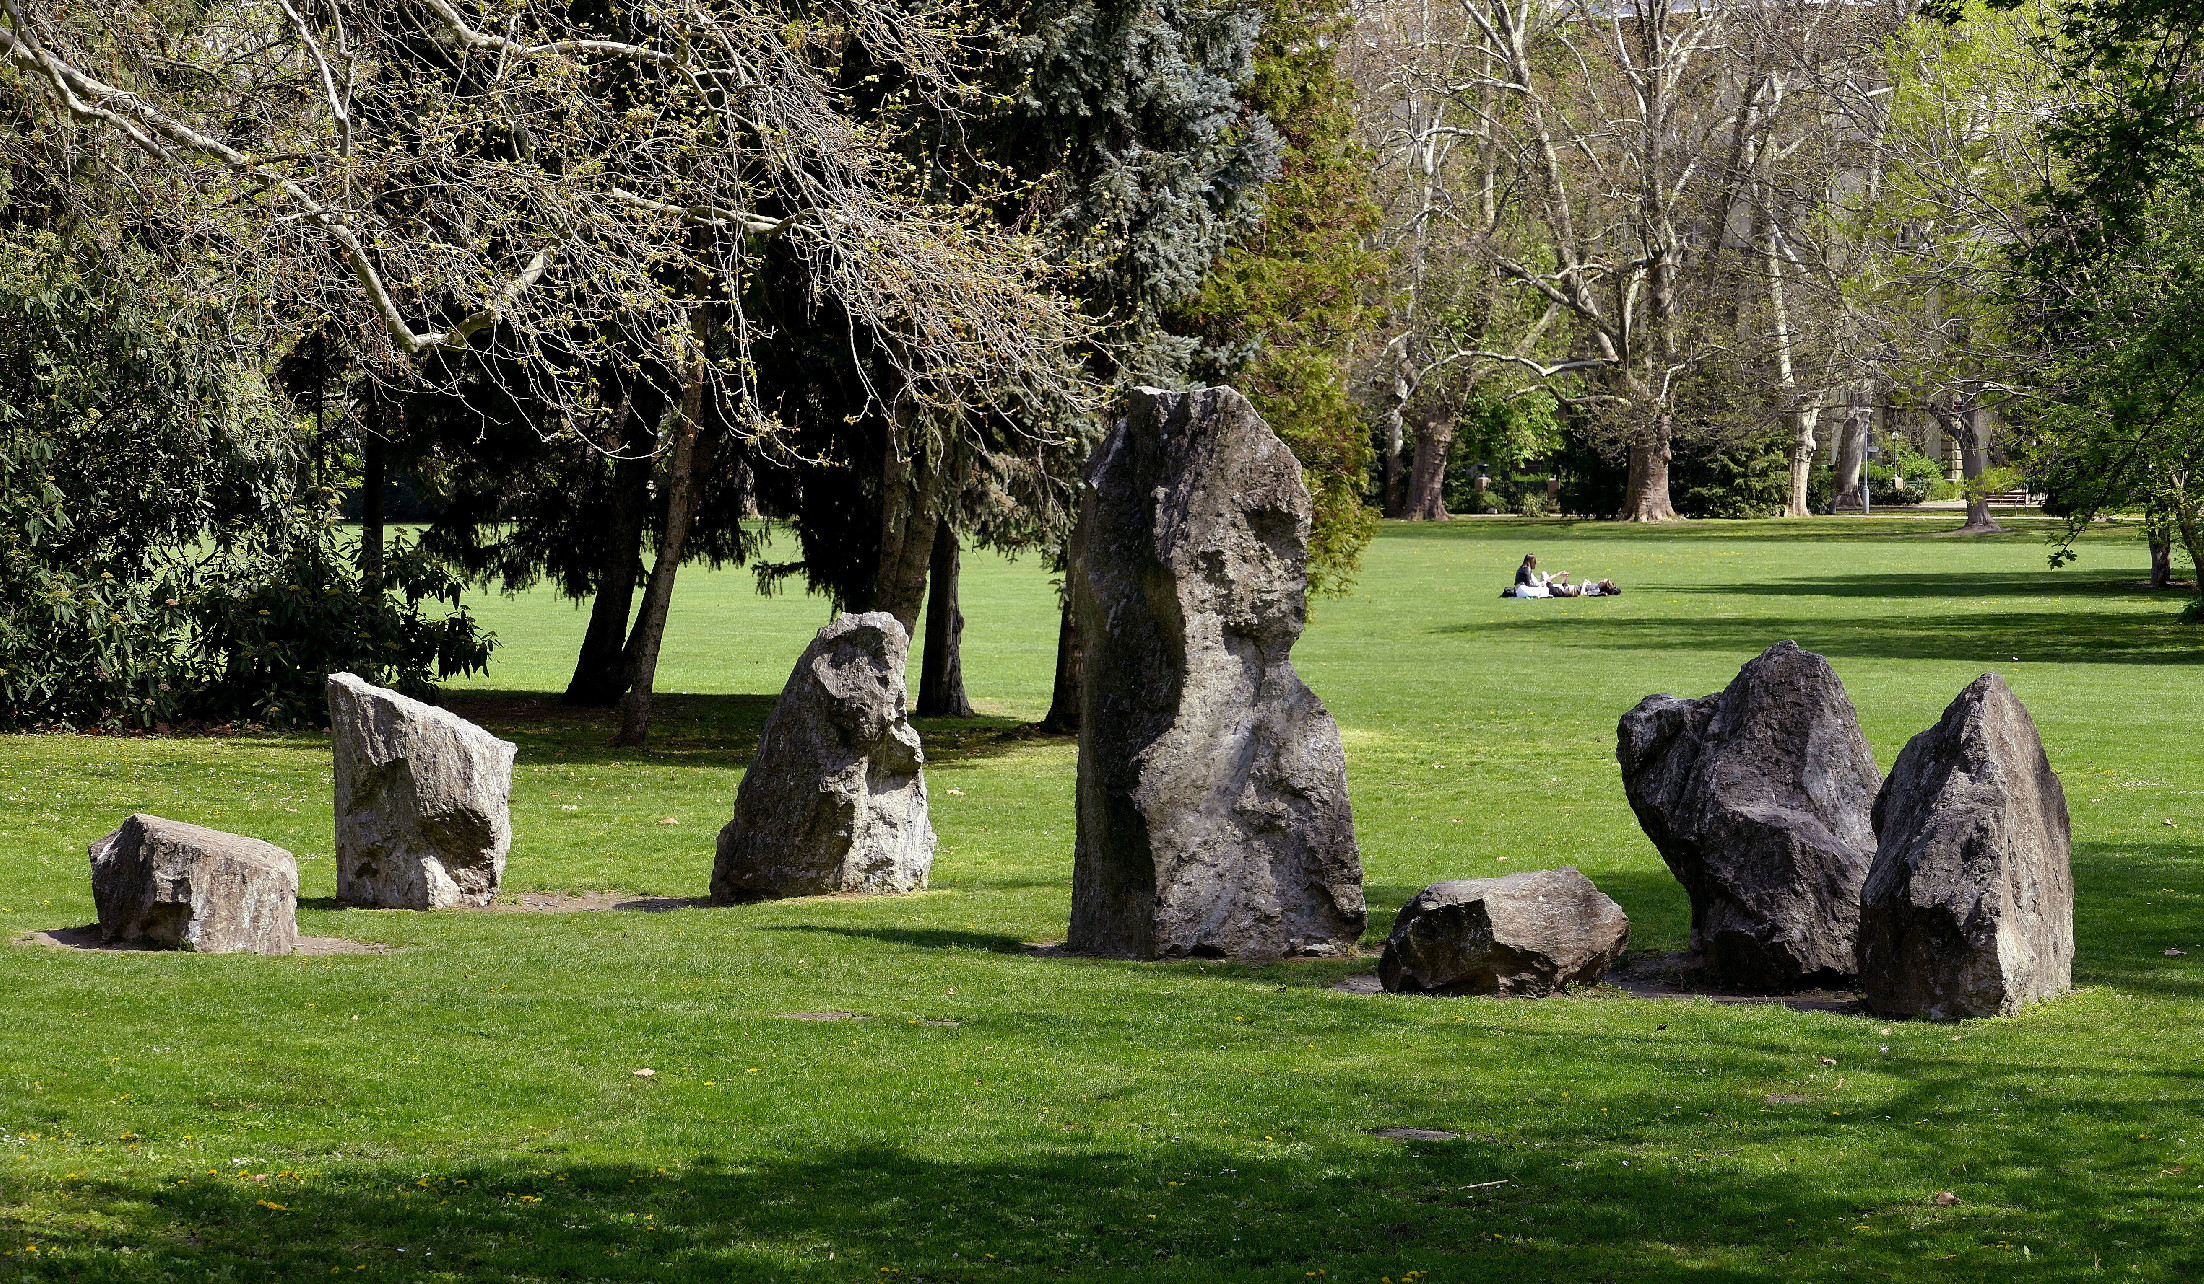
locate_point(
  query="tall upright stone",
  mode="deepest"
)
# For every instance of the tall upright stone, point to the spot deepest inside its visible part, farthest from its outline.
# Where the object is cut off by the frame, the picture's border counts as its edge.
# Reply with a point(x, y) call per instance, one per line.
point(835, 798)
point(423, 795)
point(173, 886)
point(1969, 909)
point(1759, 797)
point(1213, 812)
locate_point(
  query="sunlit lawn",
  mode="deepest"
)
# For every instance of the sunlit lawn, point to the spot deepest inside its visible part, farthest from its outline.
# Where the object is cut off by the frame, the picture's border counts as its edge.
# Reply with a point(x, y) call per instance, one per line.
point(464, 1106)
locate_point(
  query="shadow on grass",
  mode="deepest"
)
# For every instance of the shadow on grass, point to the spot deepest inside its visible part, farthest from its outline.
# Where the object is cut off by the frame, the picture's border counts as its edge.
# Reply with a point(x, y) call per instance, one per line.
point(1984, 637)
point(714, 731)
point(1647, 1188)
point(1820, 530)
point(924, 938)
point(1956, 588)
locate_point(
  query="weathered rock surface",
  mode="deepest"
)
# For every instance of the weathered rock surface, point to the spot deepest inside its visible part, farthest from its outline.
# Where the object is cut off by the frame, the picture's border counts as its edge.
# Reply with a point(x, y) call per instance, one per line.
point(1213, 811)
point(1523, 935)
point(835, 798)
point(1759, 798)
point(181, 887)
point(422, 801)
point(1969, 909)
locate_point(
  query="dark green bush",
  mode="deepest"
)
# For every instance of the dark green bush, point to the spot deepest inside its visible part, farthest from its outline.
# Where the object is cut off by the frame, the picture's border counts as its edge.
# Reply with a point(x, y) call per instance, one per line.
point(166, 548)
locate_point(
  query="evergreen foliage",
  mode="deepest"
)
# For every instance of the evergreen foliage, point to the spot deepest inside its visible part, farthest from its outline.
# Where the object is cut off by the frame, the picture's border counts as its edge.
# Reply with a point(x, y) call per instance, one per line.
point(166, 546)
point(1282, 308)
point(1145, 161)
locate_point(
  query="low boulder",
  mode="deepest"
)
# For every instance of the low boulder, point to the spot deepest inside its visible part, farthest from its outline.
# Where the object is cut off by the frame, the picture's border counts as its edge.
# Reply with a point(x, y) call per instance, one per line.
point(1969, 909)
point(835, 798)
point(1759, 798)
point(181, 887)
point(1523, 936)
point(423, 795)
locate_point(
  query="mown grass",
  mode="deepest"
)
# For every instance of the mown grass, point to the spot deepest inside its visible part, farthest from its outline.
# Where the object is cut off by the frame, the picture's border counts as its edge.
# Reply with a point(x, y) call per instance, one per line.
point(464, 1107)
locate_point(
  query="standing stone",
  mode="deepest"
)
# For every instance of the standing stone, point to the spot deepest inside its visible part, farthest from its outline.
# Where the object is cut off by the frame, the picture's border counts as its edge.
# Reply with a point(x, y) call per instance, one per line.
point(1969, 910)
point(835, 798)
point(176, 886)
point(1213, 813)
point(1523, 935)
point(422, 796)
point(1759, 798)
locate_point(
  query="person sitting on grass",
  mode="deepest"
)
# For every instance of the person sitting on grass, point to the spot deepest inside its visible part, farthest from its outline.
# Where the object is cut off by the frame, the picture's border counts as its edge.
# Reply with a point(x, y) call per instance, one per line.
point(1532, 582)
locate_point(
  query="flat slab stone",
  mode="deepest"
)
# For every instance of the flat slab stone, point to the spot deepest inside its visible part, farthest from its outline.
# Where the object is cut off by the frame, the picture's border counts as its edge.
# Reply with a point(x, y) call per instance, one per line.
point(835, 798)
point(1759, 799)
point(1523, 935)
point(1969, 910)
point(88, 937)
point(163, 884)
point(1213, 818)
point(423, 801)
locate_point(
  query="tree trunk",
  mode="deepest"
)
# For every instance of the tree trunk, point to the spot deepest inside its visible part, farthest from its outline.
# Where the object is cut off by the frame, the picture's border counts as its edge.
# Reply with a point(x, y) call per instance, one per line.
point(908, 519)
point(1395, 500)
point(1803, 445)
point(601, 670)
point(2161, 561)
point(1063, 701)
point(681, 495)
point(1851, 461)
point(941, 672)
point(2192, 541)
point(1974, 457)
point(1645, 498)
point(374, 488)
point(1427, 489)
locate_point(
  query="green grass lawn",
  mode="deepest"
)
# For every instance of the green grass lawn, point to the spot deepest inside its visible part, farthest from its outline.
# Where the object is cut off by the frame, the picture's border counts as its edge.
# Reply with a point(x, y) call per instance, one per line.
point(465, 1107)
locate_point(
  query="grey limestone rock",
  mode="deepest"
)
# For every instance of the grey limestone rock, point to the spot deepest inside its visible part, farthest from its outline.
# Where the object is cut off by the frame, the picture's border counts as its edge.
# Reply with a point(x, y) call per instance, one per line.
point(1969, 910)
point(176, 886)
point(1213, 816)
point(1759, 798)
point(1523, 935)
point(835, 798)
point(423, 796)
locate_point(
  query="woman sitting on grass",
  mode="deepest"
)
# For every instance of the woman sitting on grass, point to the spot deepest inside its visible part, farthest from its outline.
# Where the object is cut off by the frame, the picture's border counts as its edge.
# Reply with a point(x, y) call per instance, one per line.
point(1531, 582)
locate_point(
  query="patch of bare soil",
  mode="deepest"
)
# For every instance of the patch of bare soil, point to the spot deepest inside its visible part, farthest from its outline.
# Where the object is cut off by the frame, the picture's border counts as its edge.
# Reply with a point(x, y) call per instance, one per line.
point(821, 1016)
point(1367, 983)
point(560, 903)
point(1678, 976)
point(87, 938)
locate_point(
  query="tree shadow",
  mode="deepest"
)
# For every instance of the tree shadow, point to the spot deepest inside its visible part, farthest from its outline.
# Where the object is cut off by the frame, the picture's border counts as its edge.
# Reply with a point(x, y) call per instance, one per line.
point(1944, 586)
point(717, 731)
point(1986, 637)
point(1609, 1188)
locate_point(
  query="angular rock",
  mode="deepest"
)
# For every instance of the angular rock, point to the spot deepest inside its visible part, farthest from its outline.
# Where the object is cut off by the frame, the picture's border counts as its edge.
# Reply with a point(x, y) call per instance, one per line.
point(835, 798)
point(1523, 935)
point(1969, 909)
point(180, 887)
point(1213, 811)
point(422, 801)
point(1759, 798)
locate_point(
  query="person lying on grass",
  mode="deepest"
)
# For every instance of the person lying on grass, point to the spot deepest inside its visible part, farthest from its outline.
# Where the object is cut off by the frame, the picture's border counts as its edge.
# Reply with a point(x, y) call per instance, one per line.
point(1599, 588)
